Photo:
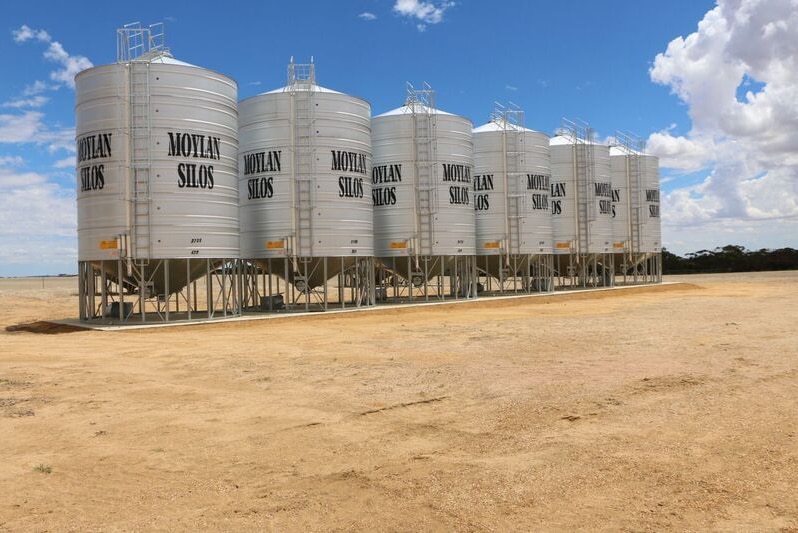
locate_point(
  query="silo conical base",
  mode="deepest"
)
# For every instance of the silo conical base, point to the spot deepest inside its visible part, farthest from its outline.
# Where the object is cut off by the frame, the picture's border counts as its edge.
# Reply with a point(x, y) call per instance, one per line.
point(308, 284)
point(312, 272)
point(584, 270)
point(637, 268)
point(516, 273)
point(427, 278)
point(157, 276)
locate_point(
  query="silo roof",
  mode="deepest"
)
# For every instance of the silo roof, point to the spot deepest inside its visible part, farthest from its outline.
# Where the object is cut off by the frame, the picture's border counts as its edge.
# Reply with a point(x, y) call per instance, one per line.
point(561, 140)
point(493, 126)
point(165, 58)
point(620, 150)
point(169, 60)
point(162, 57)
point(314, 88)
point(407, 110)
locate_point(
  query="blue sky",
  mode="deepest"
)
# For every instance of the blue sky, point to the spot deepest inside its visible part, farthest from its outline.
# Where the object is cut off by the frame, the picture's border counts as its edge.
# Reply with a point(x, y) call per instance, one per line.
point(675, 73)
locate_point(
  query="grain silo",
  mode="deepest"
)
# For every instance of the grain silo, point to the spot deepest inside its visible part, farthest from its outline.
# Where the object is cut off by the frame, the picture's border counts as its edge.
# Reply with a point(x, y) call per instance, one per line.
point(422, 196)
point(651, 239)
point(581, 207)
point(306, 206)
point(622, 234)
point(512, 183)
point(636, 221)
point(157, 193)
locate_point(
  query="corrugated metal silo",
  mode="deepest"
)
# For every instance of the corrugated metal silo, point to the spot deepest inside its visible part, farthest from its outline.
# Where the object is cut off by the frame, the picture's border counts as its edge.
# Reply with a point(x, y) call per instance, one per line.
point(512, 183)
point(636, 222)
point(621, 206)
point(651, 239)
point(581, 202)
point(424, 220)
point(305, 163)
point(157, 148)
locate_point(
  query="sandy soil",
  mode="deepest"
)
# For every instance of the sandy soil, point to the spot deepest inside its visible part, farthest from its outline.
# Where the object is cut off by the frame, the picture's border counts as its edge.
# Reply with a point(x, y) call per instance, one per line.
point(668, 408)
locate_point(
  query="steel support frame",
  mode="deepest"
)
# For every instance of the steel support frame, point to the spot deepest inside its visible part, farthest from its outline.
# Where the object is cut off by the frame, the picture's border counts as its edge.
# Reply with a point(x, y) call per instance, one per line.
point(280, 277)
point(123, 282)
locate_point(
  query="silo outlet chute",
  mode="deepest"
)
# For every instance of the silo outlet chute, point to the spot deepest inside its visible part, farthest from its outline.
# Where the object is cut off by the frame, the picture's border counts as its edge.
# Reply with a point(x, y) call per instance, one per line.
point(305, 195)
point(157, 181)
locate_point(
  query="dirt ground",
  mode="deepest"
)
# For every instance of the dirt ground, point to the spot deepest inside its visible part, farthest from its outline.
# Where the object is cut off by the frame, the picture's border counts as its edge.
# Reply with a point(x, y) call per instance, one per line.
point(664, 408)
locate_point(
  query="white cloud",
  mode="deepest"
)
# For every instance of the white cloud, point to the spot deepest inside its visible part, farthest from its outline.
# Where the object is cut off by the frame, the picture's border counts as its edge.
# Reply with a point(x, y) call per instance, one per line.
point(21, 128)
point(38, 222)
point(58, 139)
point(747, 145)
point(19, 103)
point(67, 162)
point(27, 124)
point(424, 12)
point(679, 152)
point(10, 180)
point(367, 16)
point(24, 33)
point(31, 204)
point(70, 65)
point(37, 87)
point(29, 127)
point(11, 161)
point(40, 255)
point(38, 218)
point(511, 87)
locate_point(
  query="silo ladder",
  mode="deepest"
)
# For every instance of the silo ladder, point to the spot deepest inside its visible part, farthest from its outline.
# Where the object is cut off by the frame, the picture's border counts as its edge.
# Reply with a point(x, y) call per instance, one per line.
point(304, 159)
point(516, 199)
point(583, 152)
point(140, 158)
point(636, 163)
point(425, 162)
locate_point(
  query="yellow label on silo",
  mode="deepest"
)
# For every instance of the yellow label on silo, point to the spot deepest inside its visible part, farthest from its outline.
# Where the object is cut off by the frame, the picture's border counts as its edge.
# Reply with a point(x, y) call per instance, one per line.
point(563, 245)
point(275, 245)
point(491, 245)
point(617, 245)
point(399, 245)
point(109, 245)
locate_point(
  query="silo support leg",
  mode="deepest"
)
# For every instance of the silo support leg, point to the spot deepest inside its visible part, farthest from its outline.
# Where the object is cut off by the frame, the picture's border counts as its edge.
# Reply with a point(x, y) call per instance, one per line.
point(104, 289)
point(209, 287)
point(167, 295)
point(82, 294)
point(326, 282)
point(188, 287)
point(268, 286)
point(121, 290)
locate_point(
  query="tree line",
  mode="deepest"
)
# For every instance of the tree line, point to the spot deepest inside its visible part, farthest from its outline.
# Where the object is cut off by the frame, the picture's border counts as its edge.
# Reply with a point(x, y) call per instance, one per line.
point(730, 258)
